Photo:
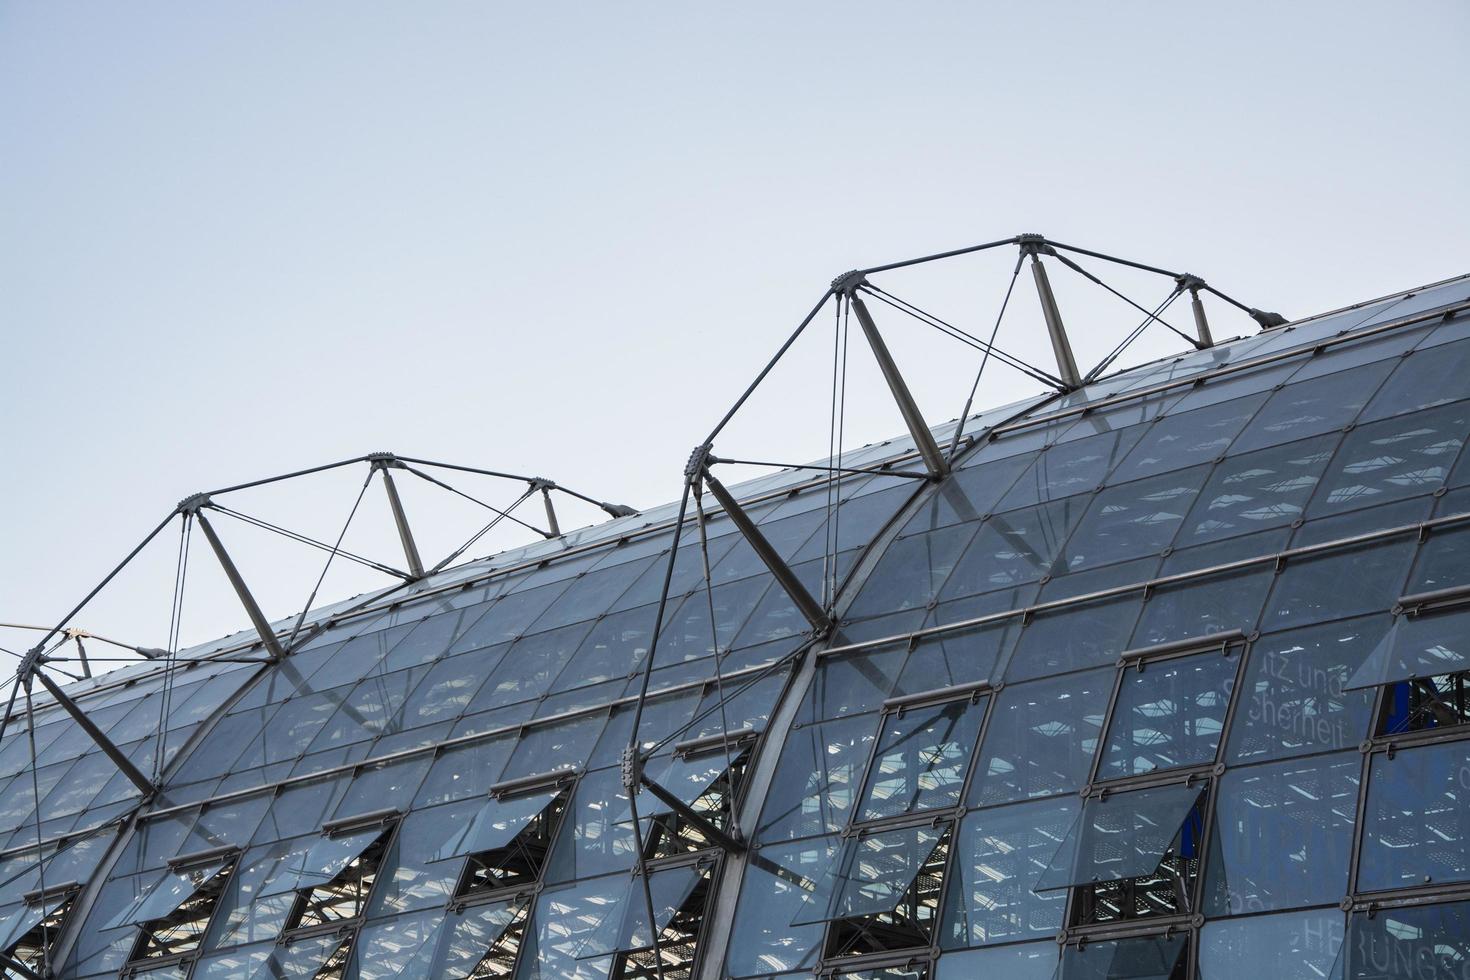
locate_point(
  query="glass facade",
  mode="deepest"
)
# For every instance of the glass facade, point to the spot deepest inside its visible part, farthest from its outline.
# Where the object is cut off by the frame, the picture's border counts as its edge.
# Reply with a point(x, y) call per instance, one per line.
point(1175, 676)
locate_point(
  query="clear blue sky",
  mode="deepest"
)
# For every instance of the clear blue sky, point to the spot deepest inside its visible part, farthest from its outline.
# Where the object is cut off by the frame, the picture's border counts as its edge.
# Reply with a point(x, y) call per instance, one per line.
point(236, 239)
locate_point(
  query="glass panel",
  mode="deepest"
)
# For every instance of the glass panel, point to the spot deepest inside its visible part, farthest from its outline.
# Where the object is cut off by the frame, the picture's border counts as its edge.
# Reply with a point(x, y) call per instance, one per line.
point(922, 758)
point(624, 925)
point(1396, 458)
point(1204, 605)
point(1168, 714)
point(1426, 942)
point(773, 892)
point(1291, 946)
point(325, 860)
point(1070, 468)
point(300, 959)
point(1309, 407)
point(173, 890)
point(1258, 490)
point(1013, 548)
point(564, 919)
point(1186, 438)
point(969, 493)
point(1041, 738)
point(1150, 958)
point(999, 856)
point(25, 918)
point(1283, 835)
point(1131, 519)
point(1424, 379)
point(912, 571)
point(1418, 646)
point(686, 778)
point(467, 937)
point(1084, 635)
point(1032, 961)
point(1338, 584)
point(871, 874)
point(853, 683)
point(1123, 835)
point(555, 746)
point(816, 781)
point(1295, 700)
point(1417, 824)
point(495, 825)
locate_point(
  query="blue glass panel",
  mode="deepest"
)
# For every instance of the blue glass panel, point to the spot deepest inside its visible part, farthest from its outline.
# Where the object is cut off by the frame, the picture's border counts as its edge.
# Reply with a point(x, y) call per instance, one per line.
point(1041, 737)
point(1084, 635)
point(1422, 380)
point(1249, 492)
point(999, 855)
point(1186, 438)
point(1417, 826)
point(1294, 698)
point(817, 780)
point(1148, 958)
point(1337, 584)
point(1426, 942)
point(1029, 961)
point(1122, 835)
point(1416, 647)
point(1289, 946)
point(1283, 835)
point(1131, 519)
point(922, 757)
point(1399, 457)
point(1169, 714)
point(773, 892)
point(1015, 547)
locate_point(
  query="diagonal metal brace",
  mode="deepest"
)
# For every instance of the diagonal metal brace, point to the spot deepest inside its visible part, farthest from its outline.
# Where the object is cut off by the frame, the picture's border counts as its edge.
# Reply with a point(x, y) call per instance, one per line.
point(385, 462)
point(809, 607)
point(726, 842)
point(195, 506)
point(1036, 246)
point(30, 669)
point(919, 431)
point(1194, 284)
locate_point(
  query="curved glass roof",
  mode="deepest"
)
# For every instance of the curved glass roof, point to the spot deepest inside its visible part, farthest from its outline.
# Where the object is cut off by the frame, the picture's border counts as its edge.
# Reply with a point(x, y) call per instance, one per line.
point(1093, 683)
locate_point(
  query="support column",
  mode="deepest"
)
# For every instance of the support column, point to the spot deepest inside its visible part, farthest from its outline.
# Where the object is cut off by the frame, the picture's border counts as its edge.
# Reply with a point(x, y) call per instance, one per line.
point(919, 431)
point(1034, 246)
point(1201, 325)
point(785, 577)
point(383, 462)
point(194, 506)
point(546, 486)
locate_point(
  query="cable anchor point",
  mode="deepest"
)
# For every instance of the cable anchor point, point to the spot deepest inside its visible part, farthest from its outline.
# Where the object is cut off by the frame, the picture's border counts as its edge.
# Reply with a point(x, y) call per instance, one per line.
point(847, 283)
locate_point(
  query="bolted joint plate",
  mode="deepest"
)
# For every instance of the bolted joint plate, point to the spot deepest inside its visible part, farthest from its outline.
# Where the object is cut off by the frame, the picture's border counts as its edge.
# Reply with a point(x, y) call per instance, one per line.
point(845, 284)
point(631, 768)
point(31, 662)
point(194, 504)
point(541, 483)
point(1032, 244)
point(383, 461)
point(1187, 281)
point(698, 459)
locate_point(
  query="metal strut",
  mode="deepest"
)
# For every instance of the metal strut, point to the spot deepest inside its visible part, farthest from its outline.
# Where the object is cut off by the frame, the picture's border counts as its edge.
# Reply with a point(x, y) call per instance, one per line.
point(384, 462)
point(546, 486)
point(1036, 246)
point(923, 438)
point(698, 470)
point(194, 506)
point(1194, 284)
point(30, 669)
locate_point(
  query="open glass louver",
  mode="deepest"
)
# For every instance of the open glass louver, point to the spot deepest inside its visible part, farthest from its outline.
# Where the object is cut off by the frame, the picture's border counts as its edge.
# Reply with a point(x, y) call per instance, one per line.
point(1139, 672)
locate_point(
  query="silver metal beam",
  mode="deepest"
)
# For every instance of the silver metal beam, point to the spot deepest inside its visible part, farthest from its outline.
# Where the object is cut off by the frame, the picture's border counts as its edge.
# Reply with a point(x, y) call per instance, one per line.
point(934, 460)
point(257, 618)
point(551, 522)
point(1201, 324)
point(785, 577)
point(400, 519)
point(1056, 330)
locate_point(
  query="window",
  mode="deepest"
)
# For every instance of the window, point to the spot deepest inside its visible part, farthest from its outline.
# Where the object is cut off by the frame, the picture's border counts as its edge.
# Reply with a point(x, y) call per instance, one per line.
point(1416, 825)
point(704, 775)
point(1170, 707)
point(881, 893)
point(333, 879)
point(1428, 941)
point(26, 936)
point(923, 753)
point(1131, 855)
point(1164, 957)
point(1424, 664)
point(507, 841)
point(173, 915)
point(680, 895)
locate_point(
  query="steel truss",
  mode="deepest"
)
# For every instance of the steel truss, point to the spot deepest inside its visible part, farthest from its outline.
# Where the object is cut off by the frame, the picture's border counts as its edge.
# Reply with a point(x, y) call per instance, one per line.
point(848, 294)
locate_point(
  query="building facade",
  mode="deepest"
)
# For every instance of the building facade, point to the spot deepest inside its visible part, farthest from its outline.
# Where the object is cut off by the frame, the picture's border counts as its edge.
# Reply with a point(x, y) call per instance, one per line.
point(1167, 678)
